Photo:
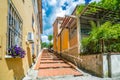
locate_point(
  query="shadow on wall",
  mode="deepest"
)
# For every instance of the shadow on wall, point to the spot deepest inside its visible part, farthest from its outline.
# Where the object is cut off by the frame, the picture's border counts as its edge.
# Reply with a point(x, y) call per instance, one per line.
point(16, 65)
point(29, 57)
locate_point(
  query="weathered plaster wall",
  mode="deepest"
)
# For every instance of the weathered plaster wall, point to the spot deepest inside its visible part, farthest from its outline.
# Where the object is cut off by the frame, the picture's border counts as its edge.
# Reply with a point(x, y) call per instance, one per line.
point(91, 63)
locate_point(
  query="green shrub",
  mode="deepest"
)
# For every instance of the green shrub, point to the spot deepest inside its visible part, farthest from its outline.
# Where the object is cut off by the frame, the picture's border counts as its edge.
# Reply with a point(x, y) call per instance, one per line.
point(108, 33)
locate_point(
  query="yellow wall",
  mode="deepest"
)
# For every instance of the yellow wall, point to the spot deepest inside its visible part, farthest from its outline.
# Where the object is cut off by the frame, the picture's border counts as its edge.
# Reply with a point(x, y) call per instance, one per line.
point(5, 73)
point(58, 44)
point(55, 33)
point(65, 40)
point(16, 67)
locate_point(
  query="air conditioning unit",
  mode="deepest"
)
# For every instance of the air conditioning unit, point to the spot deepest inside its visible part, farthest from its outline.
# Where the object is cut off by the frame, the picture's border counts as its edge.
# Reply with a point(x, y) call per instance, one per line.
point(30, 37)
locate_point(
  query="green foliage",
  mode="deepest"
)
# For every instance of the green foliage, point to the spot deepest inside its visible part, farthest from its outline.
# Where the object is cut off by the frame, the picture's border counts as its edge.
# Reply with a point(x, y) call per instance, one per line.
point(50, 37)
point(109, 33)
point(113, 5)
point(80, 8)
point(50, 45)
point(44, 45)
point(109, 4)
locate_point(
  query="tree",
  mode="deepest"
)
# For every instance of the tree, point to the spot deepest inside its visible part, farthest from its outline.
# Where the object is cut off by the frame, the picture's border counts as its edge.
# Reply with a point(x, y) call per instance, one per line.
point(105, 38)
point(50, 37)
point(44, 45)
point(50, 45)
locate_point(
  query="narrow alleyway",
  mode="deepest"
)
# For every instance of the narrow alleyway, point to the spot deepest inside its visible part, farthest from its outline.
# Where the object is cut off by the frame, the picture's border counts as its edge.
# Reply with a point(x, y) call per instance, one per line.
point(51, 67)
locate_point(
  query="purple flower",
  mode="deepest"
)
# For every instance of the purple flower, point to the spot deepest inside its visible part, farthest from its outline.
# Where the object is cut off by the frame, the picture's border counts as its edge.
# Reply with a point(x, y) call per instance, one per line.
point(16, 51)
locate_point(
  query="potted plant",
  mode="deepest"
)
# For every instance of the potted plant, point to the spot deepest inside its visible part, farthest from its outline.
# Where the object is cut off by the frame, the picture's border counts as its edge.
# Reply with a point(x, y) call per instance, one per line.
point(16, 51)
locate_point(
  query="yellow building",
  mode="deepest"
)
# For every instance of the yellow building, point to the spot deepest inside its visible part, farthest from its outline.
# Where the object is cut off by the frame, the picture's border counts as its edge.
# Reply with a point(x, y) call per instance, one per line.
point(61, 35)
point(21, 25)
point(64, 36)
point(57, 30)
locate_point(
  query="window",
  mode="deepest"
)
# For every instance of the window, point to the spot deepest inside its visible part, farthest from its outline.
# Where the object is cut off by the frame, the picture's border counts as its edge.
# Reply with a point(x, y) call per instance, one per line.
point(14, 27)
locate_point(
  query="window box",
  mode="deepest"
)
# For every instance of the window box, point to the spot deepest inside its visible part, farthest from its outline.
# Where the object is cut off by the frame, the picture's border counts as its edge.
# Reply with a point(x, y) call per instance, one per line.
point(16, 51)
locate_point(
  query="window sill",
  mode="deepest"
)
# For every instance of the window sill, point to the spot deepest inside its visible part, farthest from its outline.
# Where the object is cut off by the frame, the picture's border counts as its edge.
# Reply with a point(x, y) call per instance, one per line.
point(9, 57)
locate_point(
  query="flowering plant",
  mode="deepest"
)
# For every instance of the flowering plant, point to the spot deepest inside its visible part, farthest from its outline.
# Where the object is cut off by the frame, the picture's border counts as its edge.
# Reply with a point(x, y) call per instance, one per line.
point(15, 51)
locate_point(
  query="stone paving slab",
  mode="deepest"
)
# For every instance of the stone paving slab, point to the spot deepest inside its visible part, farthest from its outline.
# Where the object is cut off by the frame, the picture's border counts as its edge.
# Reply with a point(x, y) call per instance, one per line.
point(58, 72)
point(51, 61)
point(54, 65)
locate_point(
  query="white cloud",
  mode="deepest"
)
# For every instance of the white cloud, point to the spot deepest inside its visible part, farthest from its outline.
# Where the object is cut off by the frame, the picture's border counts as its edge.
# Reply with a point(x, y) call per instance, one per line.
point(48, 31)
point(43, 12)
point(52, 2)
point(57, 12)
point(44, 38)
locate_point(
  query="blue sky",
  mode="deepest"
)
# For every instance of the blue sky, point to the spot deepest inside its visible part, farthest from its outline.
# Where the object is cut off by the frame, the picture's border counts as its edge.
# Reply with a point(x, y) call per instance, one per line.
point(56, 8)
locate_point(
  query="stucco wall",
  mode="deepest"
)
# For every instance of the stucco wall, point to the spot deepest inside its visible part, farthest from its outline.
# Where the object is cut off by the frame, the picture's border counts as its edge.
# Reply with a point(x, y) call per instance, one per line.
point(16, 64)
point(5, 73)
point(16, 67)
point(65, 40)
point(115, 64)
point(58, 44)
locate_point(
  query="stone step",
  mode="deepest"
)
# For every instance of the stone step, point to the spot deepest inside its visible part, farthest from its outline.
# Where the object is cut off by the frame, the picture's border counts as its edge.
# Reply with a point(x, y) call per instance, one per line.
point(58, 72)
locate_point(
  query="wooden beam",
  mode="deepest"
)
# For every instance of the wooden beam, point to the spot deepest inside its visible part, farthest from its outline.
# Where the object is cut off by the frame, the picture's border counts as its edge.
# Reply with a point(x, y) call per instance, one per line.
point(90, 18)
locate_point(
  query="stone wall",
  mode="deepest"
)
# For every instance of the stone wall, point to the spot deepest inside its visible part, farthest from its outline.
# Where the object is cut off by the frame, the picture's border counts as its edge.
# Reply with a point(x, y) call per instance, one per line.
point(91, 63)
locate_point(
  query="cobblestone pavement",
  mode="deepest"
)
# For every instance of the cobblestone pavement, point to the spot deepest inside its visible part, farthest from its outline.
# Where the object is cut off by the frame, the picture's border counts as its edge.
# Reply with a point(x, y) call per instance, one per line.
point(50, 67)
